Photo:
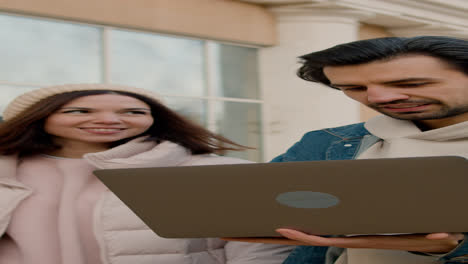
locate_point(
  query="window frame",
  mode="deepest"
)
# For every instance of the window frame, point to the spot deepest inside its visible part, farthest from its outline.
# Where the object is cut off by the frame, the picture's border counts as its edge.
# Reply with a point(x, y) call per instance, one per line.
point(209, 69)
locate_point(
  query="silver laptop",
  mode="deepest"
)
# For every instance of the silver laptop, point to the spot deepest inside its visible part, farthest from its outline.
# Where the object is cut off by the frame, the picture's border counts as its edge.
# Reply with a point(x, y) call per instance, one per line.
point(400, 195)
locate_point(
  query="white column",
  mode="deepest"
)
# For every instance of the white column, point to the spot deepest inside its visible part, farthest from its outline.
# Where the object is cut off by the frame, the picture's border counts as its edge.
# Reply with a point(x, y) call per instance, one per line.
point(293, 106)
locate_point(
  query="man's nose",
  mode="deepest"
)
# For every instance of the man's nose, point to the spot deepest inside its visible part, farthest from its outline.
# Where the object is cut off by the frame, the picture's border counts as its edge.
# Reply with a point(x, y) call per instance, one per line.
point(379, 94)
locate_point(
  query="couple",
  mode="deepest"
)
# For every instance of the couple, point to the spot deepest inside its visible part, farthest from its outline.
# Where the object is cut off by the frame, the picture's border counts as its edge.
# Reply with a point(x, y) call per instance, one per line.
point(53, 210)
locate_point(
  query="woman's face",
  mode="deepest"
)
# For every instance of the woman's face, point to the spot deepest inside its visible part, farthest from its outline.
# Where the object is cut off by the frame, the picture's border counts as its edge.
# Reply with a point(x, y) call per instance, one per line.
point(100, 119)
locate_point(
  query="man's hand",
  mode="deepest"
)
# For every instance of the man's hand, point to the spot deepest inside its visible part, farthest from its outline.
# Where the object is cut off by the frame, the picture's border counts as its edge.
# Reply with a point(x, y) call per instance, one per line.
point(430, 243)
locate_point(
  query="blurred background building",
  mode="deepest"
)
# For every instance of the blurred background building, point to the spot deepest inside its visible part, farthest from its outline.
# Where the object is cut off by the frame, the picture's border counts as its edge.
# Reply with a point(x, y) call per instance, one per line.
point(229, 65)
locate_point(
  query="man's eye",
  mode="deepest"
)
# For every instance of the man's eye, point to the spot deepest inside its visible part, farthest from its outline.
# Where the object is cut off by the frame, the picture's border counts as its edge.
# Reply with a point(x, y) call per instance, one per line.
point(410, 84)
point(357, 88)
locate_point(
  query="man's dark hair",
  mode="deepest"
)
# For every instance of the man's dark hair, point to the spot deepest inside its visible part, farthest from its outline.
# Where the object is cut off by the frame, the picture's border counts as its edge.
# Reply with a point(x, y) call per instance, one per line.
point(453, 51)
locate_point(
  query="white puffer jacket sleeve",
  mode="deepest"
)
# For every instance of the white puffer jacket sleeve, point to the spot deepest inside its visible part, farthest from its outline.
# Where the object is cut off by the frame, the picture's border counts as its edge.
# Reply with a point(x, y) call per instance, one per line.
point(256, 253)
point(12, 192)
point(144, 154)
point(243, 252)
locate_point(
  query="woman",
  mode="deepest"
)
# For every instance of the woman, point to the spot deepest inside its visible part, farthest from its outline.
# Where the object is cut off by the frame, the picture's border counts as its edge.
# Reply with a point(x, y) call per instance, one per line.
point(54, 210)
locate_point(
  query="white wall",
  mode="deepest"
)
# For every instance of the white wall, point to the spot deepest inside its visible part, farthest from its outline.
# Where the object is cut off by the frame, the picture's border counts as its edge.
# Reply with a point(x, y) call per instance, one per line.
point(293, 106)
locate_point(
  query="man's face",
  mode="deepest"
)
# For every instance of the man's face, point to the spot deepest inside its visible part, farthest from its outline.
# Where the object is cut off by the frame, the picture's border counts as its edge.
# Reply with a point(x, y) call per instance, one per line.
point(414, 87)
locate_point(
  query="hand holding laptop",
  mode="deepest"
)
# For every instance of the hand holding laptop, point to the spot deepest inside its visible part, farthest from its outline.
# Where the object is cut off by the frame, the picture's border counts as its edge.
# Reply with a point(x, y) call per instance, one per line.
point(431, 243)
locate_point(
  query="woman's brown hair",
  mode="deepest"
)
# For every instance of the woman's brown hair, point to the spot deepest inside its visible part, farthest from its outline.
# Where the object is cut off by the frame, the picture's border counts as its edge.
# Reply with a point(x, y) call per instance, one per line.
point(25, 135)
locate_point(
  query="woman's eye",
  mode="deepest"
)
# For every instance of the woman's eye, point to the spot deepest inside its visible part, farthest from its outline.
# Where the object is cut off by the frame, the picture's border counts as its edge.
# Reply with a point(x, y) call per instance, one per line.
point(75, 111)
point(136, 112)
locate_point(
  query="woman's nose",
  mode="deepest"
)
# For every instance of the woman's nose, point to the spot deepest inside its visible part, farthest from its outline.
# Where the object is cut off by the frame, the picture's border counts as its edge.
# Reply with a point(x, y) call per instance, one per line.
point(107, 118)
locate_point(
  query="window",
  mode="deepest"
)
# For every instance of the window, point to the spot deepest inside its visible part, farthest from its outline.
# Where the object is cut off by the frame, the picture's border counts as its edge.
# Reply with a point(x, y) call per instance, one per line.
point(212, 83)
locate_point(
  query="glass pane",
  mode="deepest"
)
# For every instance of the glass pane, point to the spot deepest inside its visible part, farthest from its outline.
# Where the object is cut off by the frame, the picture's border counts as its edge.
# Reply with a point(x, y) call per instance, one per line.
point(193, 109)
point(48, 52)
point(167, 65)
point(236, 71)
point(8, 93)
point(240, 122)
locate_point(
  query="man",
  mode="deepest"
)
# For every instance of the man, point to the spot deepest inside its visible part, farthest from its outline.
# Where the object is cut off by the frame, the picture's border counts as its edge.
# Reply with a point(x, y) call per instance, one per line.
point(420, 85)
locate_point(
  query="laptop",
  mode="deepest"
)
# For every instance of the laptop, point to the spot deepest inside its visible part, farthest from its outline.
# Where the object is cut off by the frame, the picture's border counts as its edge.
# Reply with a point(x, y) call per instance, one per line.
point(337, 197)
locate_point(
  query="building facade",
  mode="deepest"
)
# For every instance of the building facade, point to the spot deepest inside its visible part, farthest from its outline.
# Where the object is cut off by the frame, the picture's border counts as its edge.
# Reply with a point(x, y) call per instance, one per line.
point(229, 65)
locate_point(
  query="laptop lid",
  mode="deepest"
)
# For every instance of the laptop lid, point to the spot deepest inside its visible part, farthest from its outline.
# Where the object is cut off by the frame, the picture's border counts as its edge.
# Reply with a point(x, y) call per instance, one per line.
point(339, 197)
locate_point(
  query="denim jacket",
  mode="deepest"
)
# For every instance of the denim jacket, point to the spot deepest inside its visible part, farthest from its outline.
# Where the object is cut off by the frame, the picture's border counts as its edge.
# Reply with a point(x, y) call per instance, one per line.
point(341, 143)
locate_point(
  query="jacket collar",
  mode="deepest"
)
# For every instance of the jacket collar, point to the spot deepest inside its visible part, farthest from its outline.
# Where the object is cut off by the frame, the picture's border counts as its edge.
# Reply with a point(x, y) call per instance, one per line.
point(140, 153)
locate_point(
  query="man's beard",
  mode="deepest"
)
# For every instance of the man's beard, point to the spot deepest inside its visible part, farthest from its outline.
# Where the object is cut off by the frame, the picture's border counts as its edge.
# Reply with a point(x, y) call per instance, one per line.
point(444, 112)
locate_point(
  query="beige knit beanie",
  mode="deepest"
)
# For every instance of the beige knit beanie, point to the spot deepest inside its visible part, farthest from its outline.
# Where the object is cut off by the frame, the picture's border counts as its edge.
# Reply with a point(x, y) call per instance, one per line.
point(26, 100)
